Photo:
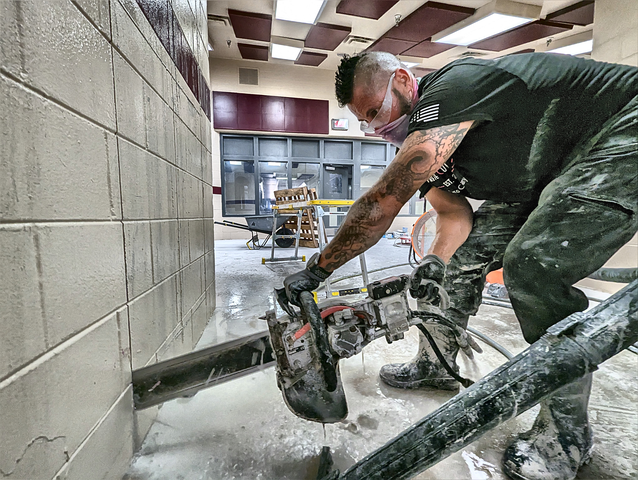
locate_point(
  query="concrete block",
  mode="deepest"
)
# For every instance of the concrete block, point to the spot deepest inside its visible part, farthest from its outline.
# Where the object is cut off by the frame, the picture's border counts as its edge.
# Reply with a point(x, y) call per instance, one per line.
point(160, 133)
point(129, 93)
point(48, 408)
point(188, 150)
point(196, 239)
point(207, 166)
point(184, 242)
point(38, 43)
point(191, 196)
point(172, 346)
point(148, 184)
point(53, 163)
point(143, 422)
point(21, 317)
point(99, 12)
point(165, 249)
point(209, 234)
point(153, 316)
point(106, 453)
point(191, 284)
point(208, 201)
point(200, 319)
point(211, 300)
point(209, 262)
point(133, 44)
point(82, 274)
point(139, 257)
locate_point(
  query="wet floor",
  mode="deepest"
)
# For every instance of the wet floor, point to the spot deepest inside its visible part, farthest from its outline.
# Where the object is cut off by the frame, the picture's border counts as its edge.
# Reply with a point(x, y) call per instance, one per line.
point(243, 430)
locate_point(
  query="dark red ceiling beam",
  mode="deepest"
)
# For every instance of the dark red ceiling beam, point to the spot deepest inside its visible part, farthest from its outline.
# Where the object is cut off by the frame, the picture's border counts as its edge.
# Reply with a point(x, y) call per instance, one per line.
point(253, 52)
point(251, 26)
point(519, 36)
point(325, 36)
point(428, 20)
point(581, 13)
point(365, 8)
point(312, 59)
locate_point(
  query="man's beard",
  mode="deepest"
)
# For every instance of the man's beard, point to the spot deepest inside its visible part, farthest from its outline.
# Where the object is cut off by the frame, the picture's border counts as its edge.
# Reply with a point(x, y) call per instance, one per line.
point(405, 104)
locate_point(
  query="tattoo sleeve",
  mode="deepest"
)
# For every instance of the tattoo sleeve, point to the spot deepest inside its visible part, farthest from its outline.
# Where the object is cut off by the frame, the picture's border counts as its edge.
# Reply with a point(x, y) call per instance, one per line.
point(421, 155)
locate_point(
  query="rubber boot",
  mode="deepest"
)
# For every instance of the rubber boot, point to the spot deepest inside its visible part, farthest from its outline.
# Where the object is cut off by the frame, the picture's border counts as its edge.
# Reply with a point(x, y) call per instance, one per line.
point(425, 370)
point(560, 441)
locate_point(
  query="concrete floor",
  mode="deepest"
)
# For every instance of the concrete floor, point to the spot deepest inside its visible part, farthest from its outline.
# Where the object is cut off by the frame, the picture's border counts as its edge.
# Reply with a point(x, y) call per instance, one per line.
point(243, 430)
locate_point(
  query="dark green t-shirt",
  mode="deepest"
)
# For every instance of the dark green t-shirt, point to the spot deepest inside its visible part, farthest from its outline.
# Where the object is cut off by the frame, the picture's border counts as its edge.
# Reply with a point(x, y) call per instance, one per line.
point(530, 112)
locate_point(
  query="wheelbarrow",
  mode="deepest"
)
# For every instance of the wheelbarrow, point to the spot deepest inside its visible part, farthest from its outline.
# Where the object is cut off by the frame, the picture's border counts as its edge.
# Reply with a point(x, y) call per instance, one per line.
point(263, 224)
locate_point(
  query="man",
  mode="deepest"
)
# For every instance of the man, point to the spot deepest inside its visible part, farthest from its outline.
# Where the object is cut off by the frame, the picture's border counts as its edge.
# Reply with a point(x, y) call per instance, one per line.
point(550, 142)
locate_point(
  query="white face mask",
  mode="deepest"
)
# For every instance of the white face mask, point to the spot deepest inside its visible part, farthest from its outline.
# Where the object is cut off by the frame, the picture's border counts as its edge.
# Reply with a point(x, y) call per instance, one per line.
point(394, 132)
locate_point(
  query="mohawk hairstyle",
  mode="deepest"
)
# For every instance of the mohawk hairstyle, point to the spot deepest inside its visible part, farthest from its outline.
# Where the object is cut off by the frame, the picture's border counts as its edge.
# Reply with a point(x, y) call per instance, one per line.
point(344, 78)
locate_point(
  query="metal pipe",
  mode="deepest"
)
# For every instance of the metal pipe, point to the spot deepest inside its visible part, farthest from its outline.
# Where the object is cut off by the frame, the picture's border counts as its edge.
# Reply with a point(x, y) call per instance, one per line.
point(569, 350)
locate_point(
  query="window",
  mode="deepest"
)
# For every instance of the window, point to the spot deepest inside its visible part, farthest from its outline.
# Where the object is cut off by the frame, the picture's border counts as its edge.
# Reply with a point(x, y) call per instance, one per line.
point(239, 187)
point(272, 176)
point(369, 176)
point(305, 174)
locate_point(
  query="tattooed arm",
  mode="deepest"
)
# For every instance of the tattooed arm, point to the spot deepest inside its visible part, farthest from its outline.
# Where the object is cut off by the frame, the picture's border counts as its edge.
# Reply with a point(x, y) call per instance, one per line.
point(421, 155)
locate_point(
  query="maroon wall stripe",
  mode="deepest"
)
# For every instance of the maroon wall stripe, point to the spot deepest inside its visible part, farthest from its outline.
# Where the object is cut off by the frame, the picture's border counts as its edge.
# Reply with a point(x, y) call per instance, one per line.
point(162, 18)
point(217, 190)
point(240, 111)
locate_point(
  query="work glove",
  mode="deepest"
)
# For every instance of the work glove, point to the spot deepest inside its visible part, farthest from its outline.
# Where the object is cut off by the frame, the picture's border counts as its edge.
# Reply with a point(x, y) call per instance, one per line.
point(306, 280)
point(426, 280)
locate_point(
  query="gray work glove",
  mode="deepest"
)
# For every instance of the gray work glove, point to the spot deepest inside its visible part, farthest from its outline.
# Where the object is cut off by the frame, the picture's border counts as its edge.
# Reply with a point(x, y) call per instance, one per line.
point(426, 280)
point(306, 280)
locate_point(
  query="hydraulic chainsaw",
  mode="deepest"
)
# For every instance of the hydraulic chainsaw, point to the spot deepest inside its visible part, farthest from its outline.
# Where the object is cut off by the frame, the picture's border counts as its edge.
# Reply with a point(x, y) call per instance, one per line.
point(309, 343)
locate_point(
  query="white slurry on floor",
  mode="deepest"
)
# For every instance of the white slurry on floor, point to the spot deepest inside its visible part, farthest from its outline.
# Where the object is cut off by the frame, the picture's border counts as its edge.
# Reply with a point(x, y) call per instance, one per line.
point(243, 430)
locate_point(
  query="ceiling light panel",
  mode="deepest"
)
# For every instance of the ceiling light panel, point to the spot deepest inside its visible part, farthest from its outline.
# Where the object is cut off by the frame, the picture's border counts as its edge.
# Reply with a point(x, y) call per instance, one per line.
point(285, 52)
point(306, 11)
point(575, 49)
point(486, 27)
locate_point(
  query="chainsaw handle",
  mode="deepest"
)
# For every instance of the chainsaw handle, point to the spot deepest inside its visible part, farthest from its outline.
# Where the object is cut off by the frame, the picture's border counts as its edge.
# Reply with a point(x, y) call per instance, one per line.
point(311, 311)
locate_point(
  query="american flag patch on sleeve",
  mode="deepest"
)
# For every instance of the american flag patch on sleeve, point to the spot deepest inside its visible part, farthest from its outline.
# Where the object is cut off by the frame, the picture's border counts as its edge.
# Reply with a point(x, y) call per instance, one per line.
point(426, 114)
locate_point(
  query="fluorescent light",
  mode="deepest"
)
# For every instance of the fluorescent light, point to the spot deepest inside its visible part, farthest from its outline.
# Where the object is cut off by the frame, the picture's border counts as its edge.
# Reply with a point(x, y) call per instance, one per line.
point(274, 164)
point(233, 162)
point(285, 52)
point(575, 49)
point(486, 27)
point(365, 167)
point(410, 64)
point(302, 11)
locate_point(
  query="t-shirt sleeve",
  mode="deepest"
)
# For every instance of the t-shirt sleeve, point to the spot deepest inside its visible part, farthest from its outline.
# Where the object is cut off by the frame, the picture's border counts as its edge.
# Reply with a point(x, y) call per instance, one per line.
point(456, 94)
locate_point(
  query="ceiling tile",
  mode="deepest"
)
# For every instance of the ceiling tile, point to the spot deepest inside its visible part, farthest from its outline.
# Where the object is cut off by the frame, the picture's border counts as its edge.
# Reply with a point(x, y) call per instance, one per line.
point(311, 58)
point(367, 8)
point(252, 26)
point(581, 13)
point(518, 36)
point(427, 21)
point(253, 52)
point(326, 37)
point(391, 45)
point(427, 49)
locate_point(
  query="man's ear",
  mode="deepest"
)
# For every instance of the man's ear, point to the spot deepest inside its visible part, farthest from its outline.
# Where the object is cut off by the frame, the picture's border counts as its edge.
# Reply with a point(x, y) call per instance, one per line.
point(402, 76)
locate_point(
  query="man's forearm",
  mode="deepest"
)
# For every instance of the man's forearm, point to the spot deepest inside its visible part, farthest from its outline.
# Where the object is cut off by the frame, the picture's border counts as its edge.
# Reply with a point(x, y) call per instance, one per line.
point(452, 229)
point(364, 225)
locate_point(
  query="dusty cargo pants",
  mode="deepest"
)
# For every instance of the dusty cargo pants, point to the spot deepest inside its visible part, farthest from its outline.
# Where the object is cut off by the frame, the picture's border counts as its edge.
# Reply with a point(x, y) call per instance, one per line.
point(581, 219)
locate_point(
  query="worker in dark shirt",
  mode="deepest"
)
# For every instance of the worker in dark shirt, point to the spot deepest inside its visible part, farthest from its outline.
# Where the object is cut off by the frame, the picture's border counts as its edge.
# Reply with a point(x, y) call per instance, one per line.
point(551, 144)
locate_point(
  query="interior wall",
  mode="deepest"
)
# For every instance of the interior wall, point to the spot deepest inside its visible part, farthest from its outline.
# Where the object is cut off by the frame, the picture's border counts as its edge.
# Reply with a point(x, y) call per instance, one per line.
point(106, 238)
point(285, 81)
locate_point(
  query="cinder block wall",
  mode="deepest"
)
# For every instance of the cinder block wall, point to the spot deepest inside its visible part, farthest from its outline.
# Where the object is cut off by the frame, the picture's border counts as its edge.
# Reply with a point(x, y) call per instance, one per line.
point(106, 231)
